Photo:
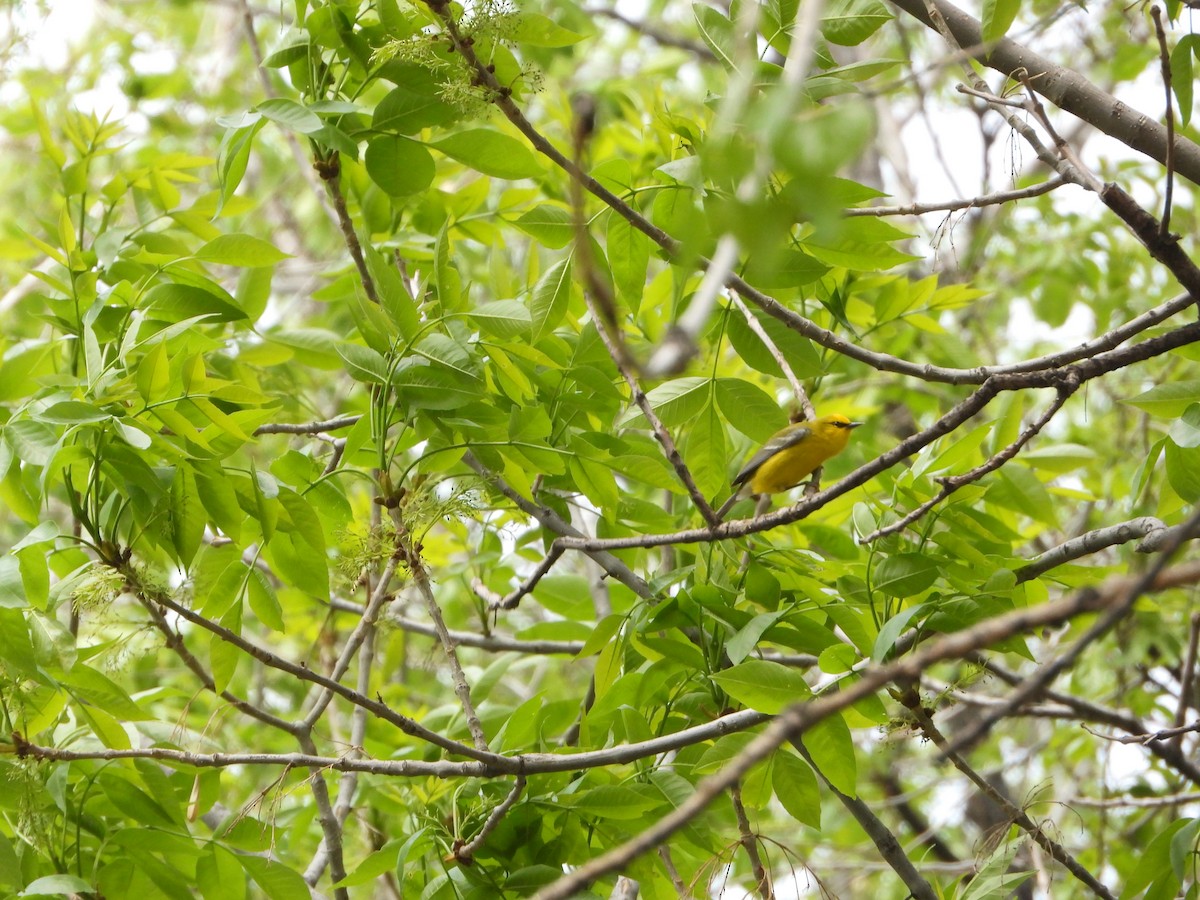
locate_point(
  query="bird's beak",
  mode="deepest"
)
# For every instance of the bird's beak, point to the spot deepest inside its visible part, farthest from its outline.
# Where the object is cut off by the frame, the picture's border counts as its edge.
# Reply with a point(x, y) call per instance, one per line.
point(855, 424)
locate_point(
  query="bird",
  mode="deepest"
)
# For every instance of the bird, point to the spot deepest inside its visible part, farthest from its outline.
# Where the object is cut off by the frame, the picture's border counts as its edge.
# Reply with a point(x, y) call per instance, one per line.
point(790, 456)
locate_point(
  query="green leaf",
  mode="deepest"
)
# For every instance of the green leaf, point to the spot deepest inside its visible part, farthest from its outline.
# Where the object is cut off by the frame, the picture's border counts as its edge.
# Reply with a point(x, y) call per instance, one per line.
point(187, 516)
point(743, 643)
point(1168, 400)
point(290, 114)
point(448, 352)
point(1183, 849)
point(53, 885)
point(784, 269)
point(551, 295)
point(241, 250)
point(892, 628)
point(399, 166)
point(566, 595)
point(551, 225)
point(717, 31)
point(503, 318)
point(768, 687)
point(1185, 432)
point(1153, 861)
point(850, 22)
point(1018, 488)
point(797, 351)
point(262, 600)
point(614, 802)
point(1182, 75)
point(832, 750)
point(998, 16)
point(705, 451)
point(675, 402)
point(363, 363)
point(1183, 470)
point(218, 875)
point(540, 31)
point(491, 153)
point(749, 408)
point(182, 301)
point(797, 788)
point(296, 563)
point(430, 387)
point(904, 574)
point(72, 412)
point(601, 636)
point(415, 103)
point(629, 258)
point(277, 881)
point(285, 56)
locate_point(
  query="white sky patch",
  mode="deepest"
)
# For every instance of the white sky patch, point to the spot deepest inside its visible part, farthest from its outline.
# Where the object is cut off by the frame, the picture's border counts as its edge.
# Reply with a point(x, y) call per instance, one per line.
point(51, 38)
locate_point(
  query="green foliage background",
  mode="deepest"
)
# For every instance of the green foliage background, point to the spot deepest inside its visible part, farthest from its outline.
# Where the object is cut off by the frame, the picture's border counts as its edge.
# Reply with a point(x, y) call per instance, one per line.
point(178, 283)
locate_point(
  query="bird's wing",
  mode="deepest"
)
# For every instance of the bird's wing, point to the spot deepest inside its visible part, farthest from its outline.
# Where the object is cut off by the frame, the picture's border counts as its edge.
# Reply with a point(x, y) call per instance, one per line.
point(779, 442)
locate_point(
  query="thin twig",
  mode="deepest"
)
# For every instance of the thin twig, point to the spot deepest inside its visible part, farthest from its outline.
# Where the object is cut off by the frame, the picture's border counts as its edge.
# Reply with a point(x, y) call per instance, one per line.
point(1011, 812)
point(465, 853)
point(330, 171)
point(749, 841)
point(802, 401)
point(348, 783)
point(1187, 677)
point(379, 709)
point(950, 484)
point(551, 520)
point(1094, 712)
point(421, 580)
point(1149, 738)
point(1134, 802)
point(307, 427)
point(513, 598)
point(999, 197)
point(885, 841)
point(319, 699)
point(176, 643)
point(658, 35)
point(1164, 53)
point(331, 828)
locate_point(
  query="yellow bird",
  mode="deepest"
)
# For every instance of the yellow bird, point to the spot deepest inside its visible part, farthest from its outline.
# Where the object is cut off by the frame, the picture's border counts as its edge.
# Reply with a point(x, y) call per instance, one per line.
point(790, 456)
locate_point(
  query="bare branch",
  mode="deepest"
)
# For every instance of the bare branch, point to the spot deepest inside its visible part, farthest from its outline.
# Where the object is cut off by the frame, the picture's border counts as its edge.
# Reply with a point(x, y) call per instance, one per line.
point(1149, 738)
point(307, 427)
point(917, 209)
point(1187, 677)
point(465, 853)
point(1063, 87)
point(1011, 812)
point(749, 841)
point(953, 483)
point(1089, 543)
point(1164, 54)
point(658, 35)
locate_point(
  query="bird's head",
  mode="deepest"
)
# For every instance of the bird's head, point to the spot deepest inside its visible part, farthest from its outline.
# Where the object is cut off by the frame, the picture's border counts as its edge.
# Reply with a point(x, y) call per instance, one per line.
point(836, 427)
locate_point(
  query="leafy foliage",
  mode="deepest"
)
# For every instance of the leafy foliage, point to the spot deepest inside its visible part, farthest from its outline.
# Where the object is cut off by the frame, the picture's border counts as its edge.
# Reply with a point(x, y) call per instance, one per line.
point(356, 542)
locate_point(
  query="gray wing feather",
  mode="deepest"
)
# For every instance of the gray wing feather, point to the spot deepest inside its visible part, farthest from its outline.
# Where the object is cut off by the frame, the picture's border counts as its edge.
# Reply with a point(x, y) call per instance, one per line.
point(778, 443)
